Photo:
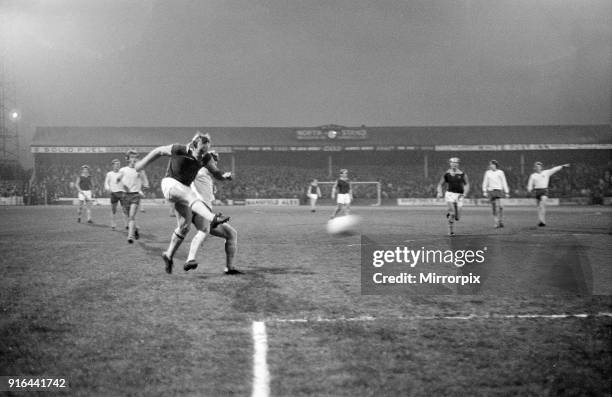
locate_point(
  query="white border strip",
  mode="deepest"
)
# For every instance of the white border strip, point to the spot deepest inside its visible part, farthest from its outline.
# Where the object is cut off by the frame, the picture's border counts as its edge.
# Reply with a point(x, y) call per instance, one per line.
point(438, 317)
point(261, 375)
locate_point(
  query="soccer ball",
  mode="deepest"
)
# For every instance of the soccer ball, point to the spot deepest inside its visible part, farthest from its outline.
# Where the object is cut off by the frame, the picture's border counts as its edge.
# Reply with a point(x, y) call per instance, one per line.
point(343, 225)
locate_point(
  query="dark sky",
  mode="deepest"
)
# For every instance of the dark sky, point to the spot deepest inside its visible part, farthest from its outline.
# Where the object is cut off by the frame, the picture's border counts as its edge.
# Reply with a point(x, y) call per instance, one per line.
point(308, 63)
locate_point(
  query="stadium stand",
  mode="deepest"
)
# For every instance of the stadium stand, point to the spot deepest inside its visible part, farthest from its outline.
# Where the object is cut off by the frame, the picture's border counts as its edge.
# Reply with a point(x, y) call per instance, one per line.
point(278, 162)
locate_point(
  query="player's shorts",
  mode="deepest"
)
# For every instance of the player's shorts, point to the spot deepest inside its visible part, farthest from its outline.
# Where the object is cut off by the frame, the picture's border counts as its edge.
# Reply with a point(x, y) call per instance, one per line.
point(495, 194)
point(206, 199)
point(175, 192)
point(452, 197)
point(312, 196)
point(85, 195)
point(539, 193)
point(343, 198)
point(131, 198)
point(116, 197)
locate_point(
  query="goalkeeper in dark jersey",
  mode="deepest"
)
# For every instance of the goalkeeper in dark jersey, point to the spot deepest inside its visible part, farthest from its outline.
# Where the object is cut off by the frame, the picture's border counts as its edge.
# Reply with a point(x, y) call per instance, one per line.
point(185, 162)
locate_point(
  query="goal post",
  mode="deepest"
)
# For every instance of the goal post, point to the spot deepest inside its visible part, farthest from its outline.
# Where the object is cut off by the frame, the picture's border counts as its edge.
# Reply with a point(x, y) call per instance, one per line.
point(364, 192)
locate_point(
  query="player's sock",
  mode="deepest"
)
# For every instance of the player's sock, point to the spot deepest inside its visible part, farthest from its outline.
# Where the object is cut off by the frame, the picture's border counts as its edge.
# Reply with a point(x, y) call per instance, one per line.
point(175, 243)
point(451, 224)
point(199, 208)
point(542, 214)
point(196, 242)
point(131, 227)
point(230, 251)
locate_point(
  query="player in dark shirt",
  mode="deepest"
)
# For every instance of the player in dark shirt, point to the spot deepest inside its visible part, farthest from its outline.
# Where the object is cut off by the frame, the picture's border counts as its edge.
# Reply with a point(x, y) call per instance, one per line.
point(457, 188)
point(84, 188)
point(343, 194)
point(185, 162)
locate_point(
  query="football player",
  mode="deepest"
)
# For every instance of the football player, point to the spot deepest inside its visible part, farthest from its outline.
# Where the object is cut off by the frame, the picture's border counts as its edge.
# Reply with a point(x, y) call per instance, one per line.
point(457, 187)
point(185, 162)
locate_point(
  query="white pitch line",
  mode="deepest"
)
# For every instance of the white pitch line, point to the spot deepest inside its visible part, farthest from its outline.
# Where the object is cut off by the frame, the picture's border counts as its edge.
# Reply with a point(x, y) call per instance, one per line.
point(434, 317)
point(261, 375)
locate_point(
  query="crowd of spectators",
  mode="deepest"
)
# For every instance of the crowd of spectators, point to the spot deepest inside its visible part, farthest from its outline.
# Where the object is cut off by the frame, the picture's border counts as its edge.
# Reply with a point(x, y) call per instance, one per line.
point(55, 179)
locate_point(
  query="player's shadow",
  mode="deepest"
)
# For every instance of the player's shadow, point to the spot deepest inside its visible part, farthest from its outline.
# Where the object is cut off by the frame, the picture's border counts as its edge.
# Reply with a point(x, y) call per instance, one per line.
point(97, 225)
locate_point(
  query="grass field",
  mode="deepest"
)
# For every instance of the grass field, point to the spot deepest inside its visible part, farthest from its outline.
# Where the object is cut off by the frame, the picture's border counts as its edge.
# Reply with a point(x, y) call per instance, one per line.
point(78, 302)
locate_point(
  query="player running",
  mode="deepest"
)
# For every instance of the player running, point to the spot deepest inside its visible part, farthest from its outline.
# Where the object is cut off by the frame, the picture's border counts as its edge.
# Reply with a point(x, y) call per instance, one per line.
point(116, 191)
point(203, 187)
point(344, 194)
point(185, 162)
point(495, 186)
point(458, 186)
point(84, 185)
point(313, 193)
point(133, 183)
point(538, 181)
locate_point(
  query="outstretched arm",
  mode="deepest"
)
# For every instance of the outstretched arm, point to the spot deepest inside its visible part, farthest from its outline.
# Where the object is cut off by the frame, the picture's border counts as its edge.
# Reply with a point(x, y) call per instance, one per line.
point(440, 185)
point(153, 155)
point(485, 184)
point(107, 181)
point(530, 183)
point(145, 180)
point(466, 187)
point(505, 183)
point(211, 166)
point(556, 169)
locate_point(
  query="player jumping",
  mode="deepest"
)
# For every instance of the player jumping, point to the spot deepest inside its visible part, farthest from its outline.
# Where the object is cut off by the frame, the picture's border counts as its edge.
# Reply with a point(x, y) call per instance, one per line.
point(344, 195)
point(203, 187)
point(538, 181)
point(84, 187)
point(116, 191)
point(133, 182)
point(458, 187)
point(185, 162)
point(495, 186)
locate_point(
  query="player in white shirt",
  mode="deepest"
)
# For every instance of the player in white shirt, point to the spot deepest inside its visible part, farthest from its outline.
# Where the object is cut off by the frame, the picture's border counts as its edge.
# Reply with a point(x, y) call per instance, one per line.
point(495, 186)
point(538, 182)
point(313, 192)
point(133, 182)
point(203, 187)
point(116, 191)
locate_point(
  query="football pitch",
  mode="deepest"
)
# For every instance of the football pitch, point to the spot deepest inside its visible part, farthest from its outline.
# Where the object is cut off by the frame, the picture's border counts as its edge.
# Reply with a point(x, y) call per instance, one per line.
point(79, 302)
